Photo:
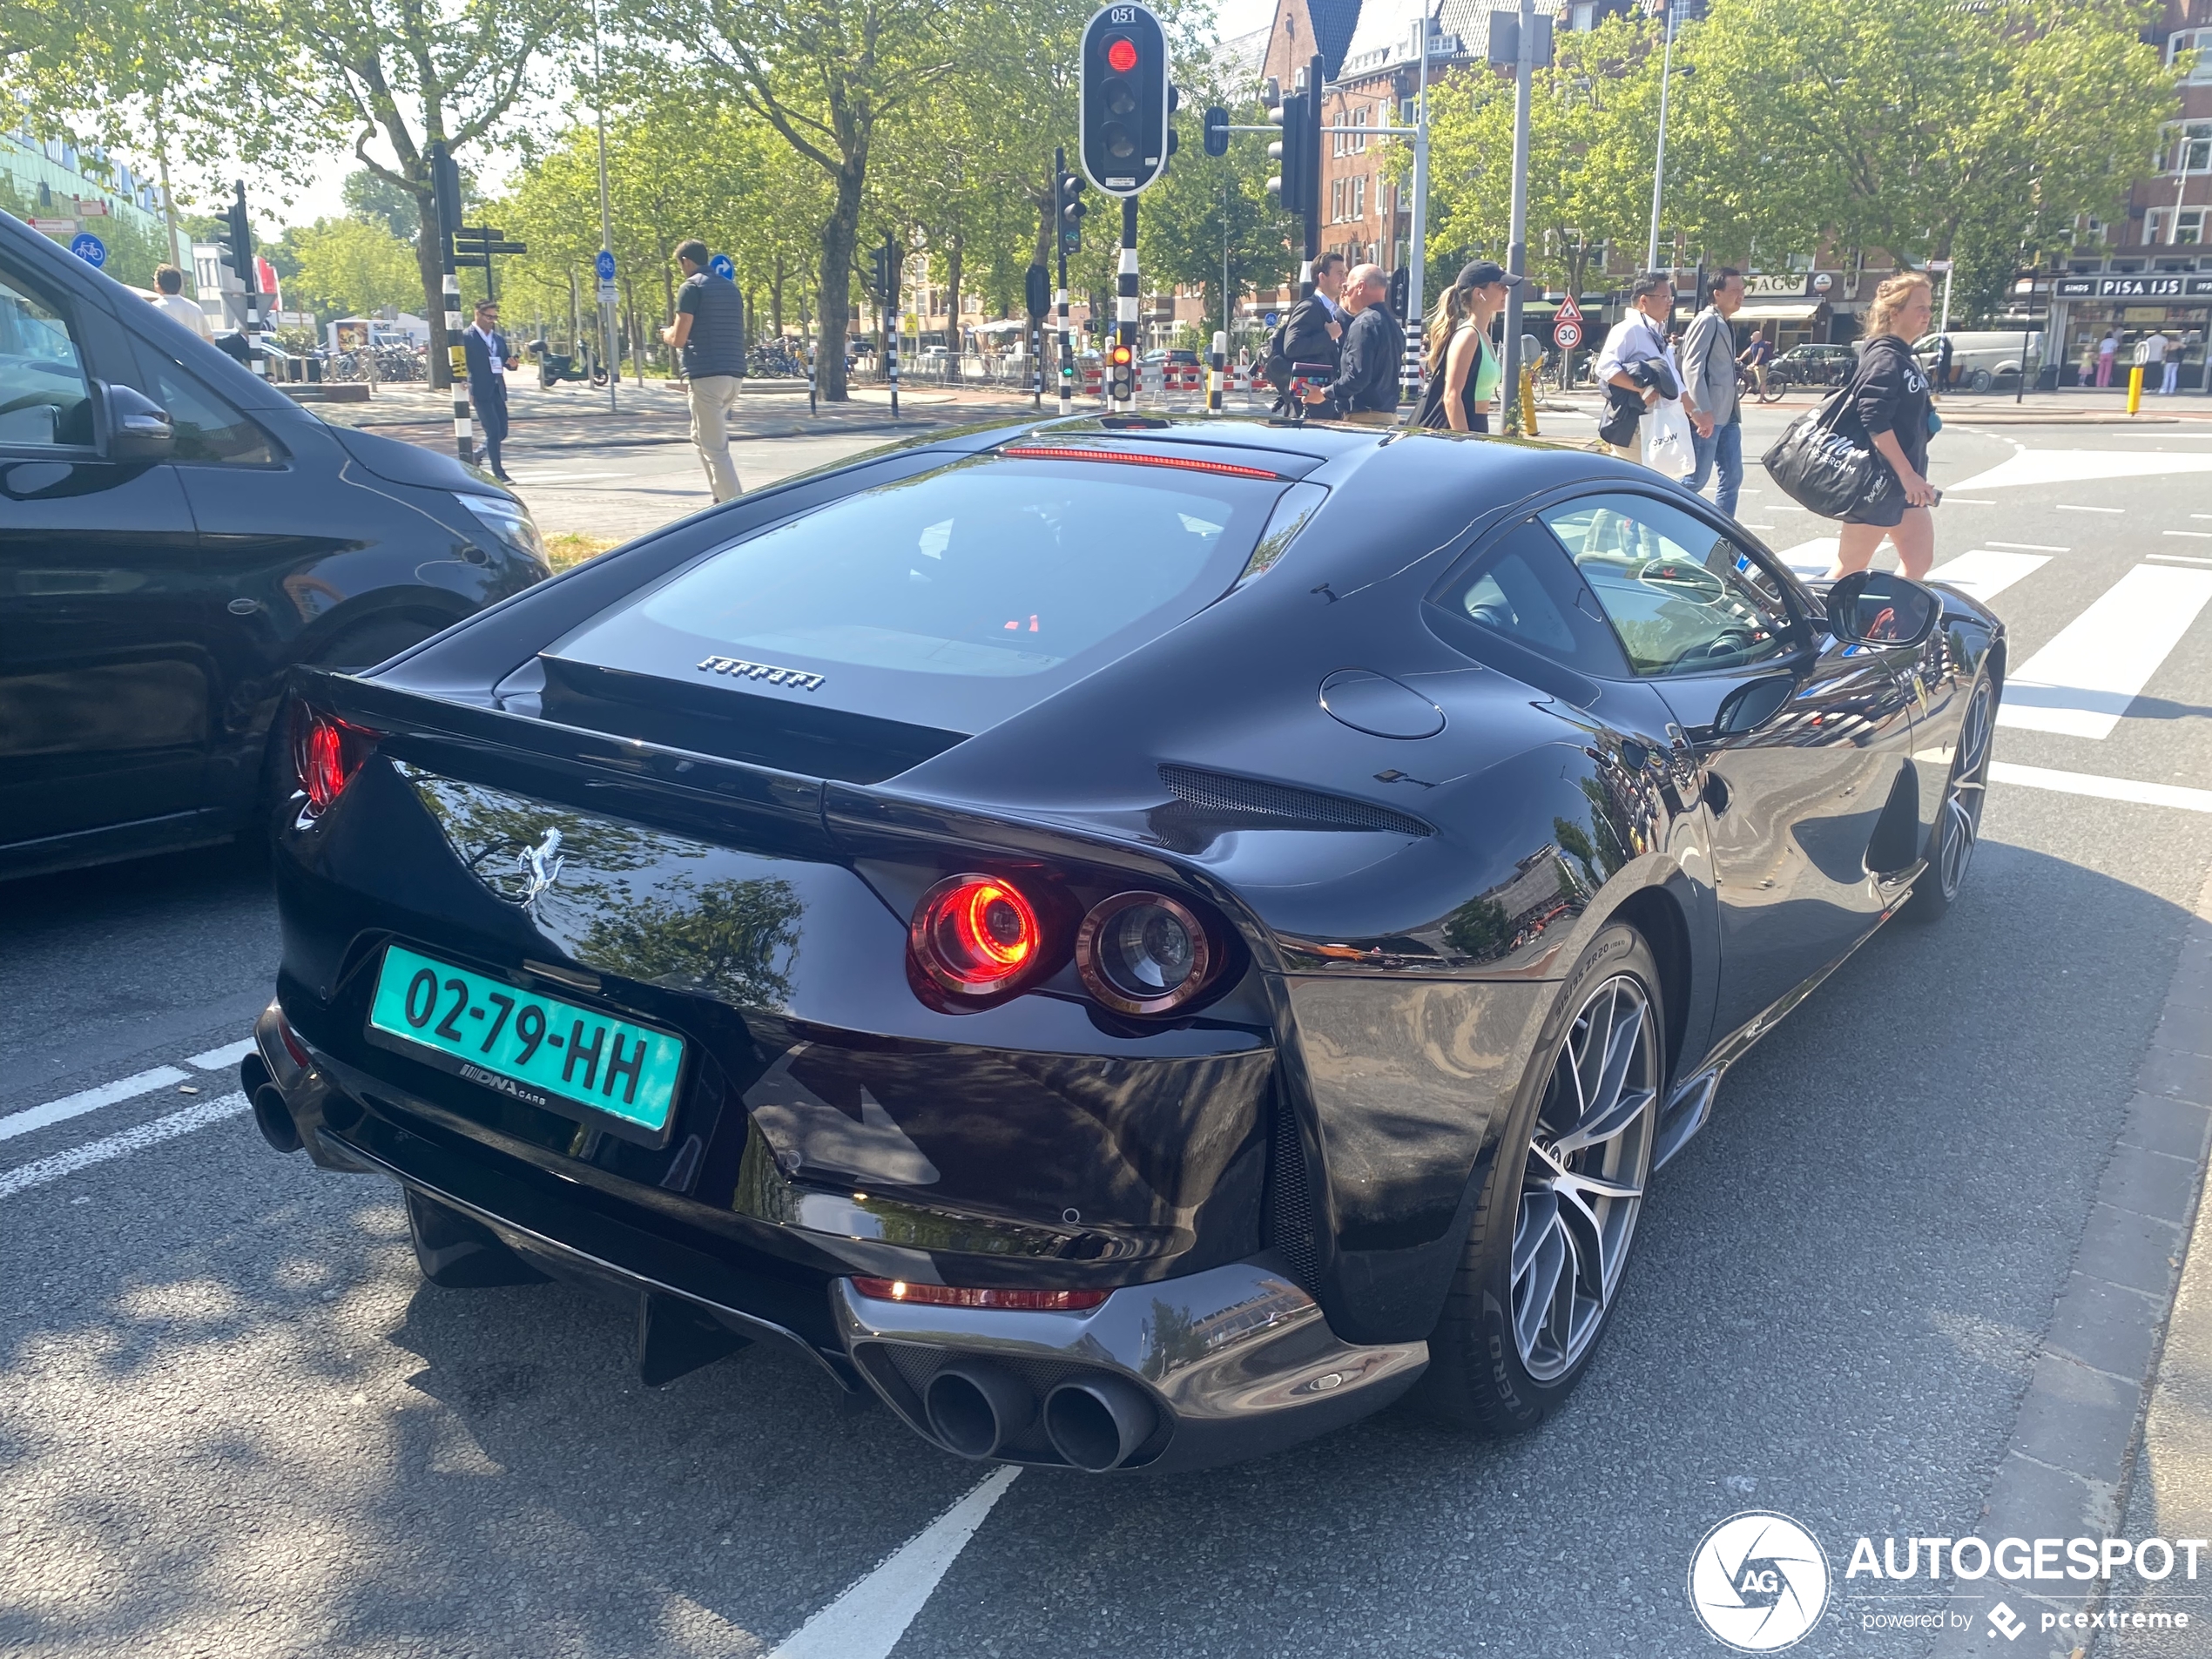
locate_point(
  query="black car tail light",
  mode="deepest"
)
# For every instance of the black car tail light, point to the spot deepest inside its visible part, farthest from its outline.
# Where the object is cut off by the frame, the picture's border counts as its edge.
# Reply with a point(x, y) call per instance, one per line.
point(325, 753)
point(1144, 953)
point(950, 1295)
point(976, 935)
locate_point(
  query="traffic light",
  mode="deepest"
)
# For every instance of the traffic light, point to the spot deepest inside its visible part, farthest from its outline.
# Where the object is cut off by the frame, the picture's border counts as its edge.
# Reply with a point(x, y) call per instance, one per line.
point(236, 239)
point(1126, 99)
point(1120, 373)
point(1297, 180)
point(445, 191)
point(1401, 290)
point(1071, 212)
point(1037, 290)
point(1217, 131)
point(887, 263)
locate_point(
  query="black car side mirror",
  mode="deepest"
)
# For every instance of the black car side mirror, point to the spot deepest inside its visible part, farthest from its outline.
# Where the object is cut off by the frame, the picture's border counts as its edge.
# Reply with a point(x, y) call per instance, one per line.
point(1881, 607)
point(133, 426)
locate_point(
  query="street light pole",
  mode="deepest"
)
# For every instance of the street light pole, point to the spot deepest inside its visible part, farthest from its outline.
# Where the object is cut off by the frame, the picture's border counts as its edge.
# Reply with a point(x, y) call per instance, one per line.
point(1659, 168)
point(1418, 264)
point(1517, 231)
point(606, 222)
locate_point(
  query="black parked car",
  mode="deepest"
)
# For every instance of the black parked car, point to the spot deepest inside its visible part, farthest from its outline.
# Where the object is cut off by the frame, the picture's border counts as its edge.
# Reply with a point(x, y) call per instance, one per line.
point(175, 534)
point(1137, 939)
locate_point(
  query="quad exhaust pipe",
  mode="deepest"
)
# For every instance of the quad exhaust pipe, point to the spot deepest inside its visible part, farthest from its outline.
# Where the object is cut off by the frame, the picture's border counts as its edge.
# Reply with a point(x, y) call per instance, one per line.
point(975, 1408)
point(1097, 1423)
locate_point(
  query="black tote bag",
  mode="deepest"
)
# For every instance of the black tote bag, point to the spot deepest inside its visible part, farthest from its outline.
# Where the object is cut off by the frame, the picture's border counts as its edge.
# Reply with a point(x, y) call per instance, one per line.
point(1821, 470)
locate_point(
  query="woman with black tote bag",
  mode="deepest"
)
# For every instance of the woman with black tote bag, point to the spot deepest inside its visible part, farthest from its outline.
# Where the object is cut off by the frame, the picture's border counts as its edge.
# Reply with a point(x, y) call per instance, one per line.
point(1889, 409)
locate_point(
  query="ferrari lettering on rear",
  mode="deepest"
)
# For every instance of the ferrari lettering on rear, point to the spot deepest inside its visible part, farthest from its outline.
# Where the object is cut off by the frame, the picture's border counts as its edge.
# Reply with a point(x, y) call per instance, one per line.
point(768, 671)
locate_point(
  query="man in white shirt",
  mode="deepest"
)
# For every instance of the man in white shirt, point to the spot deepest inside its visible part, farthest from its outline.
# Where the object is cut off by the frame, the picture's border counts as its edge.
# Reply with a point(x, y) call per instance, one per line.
point(2160, 355)
point(1636, 338)
point(170, 281)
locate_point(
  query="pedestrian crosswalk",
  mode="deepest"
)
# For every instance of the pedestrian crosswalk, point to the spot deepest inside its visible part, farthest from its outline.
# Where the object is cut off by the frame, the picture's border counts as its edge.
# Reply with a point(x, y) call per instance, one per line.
point(2080, 682)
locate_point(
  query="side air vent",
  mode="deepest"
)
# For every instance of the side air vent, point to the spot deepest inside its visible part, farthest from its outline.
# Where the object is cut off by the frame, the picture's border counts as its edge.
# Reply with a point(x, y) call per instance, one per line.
point(1279, 806)
point(1289, 1224)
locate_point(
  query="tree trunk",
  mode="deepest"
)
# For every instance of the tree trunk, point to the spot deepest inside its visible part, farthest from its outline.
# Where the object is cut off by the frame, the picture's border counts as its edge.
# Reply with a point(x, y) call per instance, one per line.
point(430, 260)
point(775, 298)
point(637, 336)
point(839, 236)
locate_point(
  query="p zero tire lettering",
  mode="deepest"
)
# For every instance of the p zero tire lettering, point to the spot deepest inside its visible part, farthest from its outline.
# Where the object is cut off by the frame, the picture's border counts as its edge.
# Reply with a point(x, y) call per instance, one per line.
point(426, 984)
point(446, 1028)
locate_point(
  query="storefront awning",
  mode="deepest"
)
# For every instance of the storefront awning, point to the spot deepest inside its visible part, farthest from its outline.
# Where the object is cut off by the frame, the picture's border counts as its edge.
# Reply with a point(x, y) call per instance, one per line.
point(1777, 310)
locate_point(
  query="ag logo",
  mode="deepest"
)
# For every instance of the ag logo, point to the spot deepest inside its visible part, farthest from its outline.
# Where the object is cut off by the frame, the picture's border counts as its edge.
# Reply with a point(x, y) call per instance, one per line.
point(1758, 1581)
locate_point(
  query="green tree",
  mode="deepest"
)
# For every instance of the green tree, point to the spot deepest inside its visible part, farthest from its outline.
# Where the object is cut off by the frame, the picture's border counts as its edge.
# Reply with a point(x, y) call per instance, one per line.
point(1211, 209)
point(376, 200)
point(342, 267)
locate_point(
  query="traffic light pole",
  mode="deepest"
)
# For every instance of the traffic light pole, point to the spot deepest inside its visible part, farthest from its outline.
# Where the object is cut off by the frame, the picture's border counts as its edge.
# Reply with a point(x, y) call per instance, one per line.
point(1060, 293)
point(1125, 300)
point(1517, 229)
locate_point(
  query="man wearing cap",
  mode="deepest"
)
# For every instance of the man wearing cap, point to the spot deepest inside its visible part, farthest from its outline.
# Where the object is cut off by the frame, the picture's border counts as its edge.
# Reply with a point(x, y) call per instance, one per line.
point(709, 334)
point(1709, 390)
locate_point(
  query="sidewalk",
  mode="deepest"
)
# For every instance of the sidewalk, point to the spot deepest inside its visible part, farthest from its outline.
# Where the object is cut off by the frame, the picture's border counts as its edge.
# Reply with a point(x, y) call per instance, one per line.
point(2071, 408)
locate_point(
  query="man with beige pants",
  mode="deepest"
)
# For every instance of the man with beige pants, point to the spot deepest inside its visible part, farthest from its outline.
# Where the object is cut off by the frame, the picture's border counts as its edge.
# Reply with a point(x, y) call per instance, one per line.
point(709, 331)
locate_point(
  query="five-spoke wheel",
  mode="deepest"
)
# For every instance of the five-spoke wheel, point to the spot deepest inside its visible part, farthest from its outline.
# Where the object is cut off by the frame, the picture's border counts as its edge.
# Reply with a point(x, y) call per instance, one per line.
point(1958, 825)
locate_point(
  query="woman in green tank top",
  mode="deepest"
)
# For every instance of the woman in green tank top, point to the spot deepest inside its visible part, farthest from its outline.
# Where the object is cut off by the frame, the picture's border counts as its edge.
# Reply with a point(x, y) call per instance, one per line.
point(1462, 366)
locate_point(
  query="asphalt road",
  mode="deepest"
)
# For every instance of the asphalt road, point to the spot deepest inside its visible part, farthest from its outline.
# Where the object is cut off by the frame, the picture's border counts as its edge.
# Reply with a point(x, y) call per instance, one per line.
point(234, 1420)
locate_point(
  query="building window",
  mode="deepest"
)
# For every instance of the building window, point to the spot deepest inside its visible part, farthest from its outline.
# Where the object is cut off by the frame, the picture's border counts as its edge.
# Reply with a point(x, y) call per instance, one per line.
point(1359, 197)
point(2173, 226)
point(2185, 147)
point(1360, 119)
point(1583, 18)
point(2194, 47)
point(1336, 201)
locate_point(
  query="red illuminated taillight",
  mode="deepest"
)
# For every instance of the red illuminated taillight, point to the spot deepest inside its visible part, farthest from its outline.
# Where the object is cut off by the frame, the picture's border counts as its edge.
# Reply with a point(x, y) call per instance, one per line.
point(949, 1296)
point(325, 753)
point(976, 935)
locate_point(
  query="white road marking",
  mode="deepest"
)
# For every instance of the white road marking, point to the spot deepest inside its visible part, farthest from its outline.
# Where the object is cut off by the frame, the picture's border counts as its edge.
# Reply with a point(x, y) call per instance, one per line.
point(89, 1100)
point(24, 1176)
point(2082, 783)
point(229, 1055)
point(2032, 547)
point(565, 477)
point(2082, 681)
point(2178, 558)
point(1950, 500)
point(2081, 466)
point(2068, 507)
point(2202, 536)
point(866, 1621)
point(1981, 574)
point(1811, 558)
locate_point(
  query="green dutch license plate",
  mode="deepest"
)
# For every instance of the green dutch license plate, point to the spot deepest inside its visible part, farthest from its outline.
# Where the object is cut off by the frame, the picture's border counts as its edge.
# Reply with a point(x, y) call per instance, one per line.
point(535, 1049)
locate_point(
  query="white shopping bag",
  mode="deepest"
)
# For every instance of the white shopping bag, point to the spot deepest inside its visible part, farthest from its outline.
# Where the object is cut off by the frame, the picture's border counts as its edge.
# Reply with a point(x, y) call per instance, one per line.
point(1669, 441)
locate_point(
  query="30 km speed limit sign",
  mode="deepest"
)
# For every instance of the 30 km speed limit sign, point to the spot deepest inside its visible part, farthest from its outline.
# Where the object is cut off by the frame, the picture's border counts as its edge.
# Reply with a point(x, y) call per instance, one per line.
point(1567, 335)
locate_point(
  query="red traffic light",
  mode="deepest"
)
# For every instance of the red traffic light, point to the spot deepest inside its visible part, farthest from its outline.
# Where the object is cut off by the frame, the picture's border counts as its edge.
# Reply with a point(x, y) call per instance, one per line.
point(1121, 55)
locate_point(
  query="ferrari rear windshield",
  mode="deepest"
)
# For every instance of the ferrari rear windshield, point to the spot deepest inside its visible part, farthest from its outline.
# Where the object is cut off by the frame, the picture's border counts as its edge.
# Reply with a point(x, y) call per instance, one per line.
point(958, 595)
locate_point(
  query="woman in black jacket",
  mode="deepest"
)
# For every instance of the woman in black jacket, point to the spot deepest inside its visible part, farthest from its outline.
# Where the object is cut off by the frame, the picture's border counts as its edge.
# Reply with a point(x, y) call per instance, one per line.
point(1891, 409)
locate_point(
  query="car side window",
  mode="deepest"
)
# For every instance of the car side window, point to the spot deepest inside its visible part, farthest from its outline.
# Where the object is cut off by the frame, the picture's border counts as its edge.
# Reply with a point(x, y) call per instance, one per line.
point(45, 401)
point(208, 429)
point(1524, 589)
point(1681, 596)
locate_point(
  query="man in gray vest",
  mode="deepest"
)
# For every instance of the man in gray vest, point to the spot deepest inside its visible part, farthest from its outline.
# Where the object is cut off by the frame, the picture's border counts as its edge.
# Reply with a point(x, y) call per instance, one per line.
point(1709, 389)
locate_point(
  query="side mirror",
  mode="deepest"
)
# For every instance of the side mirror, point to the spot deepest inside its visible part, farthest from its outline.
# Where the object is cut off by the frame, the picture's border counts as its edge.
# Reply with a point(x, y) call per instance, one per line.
point(1881, 607)
point(133, 428)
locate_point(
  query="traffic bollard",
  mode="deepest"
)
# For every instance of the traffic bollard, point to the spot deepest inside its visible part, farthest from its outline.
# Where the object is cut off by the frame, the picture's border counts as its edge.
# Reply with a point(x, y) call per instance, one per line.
point(1528, 400)
point(2136, 390)
point(1219, 366)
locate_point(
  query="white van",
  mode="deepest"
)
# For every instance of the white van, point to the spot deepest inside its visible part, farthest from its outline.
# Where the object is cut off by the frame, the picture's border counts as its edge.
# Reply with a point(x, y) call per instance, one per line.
point(1981, 358)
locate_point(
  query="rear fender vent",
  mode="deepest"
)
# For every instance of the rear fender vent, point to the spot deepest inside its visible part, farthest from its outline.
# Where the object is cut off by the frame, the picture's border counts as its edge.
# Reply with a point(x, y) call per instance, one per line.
point(1258, 805)
point(1290, 1205)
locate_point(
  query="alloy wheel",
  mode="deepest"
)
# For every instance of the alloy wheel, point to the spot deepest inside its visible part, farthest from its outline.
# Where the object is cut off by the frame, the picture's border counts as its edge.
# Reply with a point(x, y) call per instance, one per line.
point(1969, 783)
point(1589, 1156)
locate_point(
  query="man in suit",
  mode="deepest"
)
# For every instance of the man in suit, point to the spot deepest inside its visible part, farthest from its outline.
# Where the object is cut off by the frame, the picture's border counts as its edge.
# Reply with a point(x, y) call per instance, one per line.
point(490, 358)
point(1708, 357)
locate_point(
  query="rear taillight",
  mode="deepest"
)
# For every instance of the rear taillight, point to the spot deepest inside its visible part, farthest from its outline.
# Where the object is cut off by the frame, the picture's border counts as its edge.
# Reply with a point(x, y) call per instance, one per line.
point(325, 753)
point(976, 935)
point(950, 1295)
point(1144, 953)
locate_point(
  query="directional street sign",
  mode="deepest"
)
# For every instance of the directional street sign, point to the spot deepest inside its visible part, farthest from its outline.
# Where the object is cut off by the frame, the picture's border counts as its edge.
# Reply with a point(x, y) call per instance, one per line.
point(1568, 311)
point(721, 267)
point(1567, 335)
point(89, 248)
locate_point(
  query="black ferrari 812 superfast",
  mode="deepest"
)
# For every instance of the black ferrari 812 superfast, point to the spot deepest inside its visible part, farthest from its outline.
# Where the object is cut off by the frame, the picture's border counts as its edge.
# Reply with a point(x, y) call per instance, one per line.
point(1138, 940)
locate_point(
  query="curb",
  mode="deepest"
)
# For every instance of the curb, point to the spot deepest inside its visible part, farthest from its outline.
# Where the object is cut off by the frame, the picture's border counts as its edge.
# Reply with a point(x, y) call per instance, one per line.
point(2077, 1439)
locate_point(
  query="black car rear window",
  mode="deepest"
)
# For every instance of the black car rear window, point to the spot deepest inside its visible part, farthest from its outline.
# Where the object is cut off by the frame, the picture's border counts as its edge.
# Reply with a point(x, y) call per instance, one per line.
point(956, 596)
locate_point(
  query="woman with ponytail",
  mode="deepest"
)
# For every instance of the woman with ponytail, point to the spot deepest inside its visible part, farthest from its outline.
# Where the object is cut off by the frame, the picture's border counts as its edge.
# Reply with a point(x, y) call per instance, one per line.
point(1462, 365)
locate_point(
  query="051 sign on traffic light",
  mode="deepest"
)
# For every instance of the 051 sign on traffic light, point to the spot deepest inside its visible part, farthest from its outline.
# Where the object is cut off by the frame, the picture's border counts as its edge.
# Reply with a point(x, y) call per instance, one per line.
point(1124, 99)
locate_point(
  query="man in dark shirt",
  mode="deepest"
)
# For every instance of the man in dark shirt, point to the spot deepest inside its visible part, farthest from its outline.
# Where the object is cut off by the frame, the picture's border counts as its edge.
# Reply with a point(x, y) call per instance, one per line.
point(708, 331)
point(1375, 350)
